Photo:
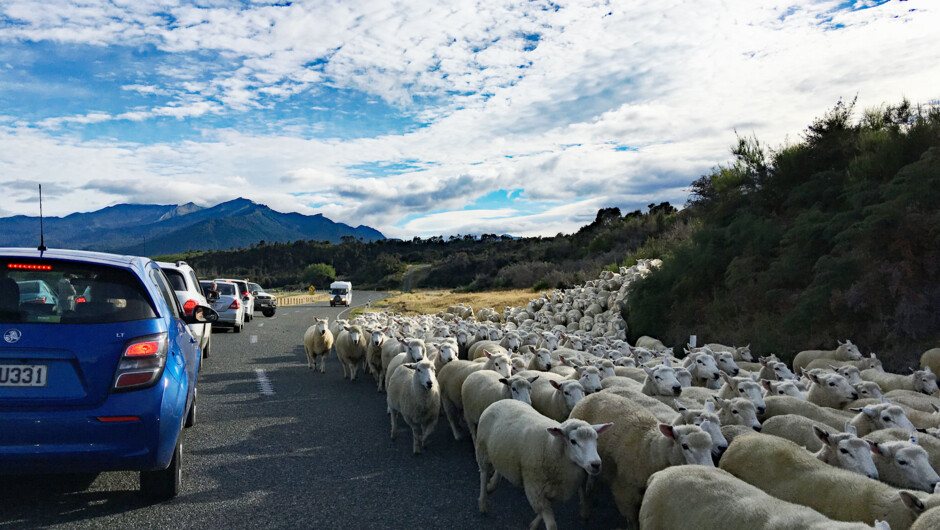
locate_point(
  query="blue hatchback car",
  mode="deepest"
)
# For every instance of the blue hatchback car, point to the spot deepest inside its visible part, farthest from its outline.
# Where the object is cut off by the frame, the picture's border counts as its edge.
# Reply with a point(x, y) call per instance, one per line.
point(102, 380)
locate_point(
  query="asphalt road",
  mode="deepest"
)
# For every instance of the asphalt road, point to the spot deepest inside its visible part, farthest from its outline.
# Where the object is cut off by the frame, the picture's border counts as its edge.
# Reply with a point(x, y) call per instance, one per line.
point(302, 450)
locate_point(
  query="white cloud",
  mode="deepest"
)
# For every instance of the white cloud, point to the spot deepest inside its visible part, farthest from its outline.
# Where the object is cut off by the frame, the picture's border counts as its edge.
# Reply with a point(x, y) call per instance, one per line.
point(668, 82)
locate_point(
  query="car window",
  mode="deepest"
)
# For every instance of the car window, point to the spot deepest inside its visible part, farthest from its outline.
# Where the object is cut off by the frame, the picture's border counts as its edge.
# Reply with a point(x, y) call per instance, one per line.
point(192, 278)
point(226, 289)
point(255, 287)
point(176, 279)
point(53, 292)
point(168, 295)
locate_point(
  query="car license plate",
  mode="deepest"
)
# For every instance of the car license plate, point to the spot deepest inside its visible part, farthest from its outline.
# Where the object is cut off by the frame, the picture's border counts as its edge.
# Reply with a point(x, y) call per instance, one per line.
point(23, 374)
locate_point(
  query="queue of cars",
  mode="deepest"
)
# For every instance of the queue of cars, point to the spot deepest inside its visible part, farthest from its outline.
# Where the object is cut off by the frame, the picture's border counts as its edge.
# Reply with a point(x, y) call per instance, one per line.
point(100, 360)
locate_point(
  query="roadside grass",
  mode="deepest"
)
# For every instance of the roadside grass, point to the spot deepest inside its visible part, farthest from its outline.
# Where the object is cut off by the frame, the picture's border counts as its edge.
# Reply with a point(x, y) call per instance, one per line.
point(431, 302)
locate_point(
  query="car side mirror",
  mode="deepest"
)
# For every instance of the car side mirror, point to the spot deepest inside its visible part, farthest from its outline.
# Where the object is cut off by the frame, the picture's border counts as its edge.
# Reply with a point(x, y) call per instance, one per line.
point(246, 298)
point(201, 314)
point(254, 293)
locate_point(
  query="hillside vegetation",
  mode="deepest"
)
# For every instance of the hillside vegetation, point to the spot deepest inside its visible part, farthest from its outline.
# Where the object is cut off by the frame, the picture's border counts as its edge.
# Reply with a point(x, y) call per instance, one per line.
point(836, 237)
point(468, 263)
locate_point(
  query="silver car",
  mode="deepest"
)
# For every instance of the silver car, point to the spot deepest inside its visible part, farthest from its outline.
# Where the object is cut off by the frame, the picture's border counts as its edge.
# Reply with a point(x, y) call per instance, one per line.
point(229, 305)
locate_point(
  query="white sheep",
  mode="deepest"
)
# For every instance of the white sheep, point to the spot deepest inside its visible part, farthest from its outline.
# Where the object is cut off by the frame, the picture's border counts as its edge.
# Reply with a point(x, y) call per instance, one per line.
point(377, 337)
point(661, 380)
point(482, 389)
point(829, 390)
point(706, 418)
point(443, 353)
point(738, 411)
point(788, 472)
point(743, 387)
point(413, 392)
point(880, 416)
point(740, 353)
point(870, 362)
point(869, 390)
point(931, 444)
point(905, 464)
point(549, 460)
point(390, 348)
point(452, 377)
point(638, 445)
point(351, 350)
point(651, 344)
point(914, 400)
point(844, 450)
point(318, 340)
point(415, 351)
point(704, 370)
point(713, 498)
point(779, 405)
point(554, 396)
point(924, 381)
point(774, 370)
point(931, 359)
point(782, 388)
point(845, 352)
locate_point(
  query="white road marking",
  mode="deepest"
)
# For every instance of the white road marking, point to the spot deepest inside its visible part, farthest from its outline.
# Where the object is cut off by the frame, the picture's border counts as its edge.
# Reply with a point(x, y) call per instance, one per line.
point(264, 384)
point(253, 339)
point(261, 325)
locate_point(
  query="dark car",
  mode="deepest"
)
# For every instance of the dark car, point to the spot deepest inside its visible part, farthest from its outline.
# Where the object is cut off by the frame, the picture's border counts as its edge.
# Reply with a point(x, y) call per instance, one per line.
point(264, 302)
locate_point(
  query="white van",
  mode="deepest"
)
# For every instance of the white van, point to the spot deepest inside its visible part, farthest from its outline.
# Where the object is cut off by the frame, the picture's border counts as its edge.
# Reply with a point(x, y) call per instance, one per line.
point(340, 293)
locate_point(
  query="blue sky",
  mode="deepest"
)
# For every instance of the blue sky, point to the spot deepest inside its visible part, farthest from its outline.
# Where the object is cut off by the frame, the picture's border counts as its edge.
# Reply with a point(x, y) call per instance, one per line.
point(472, 116)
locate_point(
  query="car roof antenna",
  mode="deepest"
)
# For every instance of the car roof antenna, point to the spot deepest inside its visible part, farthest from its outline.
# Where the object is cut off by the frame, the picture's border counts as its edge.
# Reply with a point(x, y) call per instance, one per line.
point(42, 244)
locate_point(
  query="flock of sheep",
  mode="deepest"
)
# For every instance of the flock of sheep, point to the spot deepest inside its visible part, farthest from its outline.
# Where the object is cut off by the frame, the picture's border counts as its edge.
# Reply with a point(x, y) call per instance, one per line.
point(556, 401)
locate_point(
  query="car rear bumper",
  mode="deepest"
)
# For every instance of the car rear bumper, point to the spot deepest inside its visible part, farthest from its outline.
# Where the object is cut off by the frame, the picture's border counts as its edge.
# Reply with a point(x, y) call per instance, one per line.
point(81, 440)
point(265, 304)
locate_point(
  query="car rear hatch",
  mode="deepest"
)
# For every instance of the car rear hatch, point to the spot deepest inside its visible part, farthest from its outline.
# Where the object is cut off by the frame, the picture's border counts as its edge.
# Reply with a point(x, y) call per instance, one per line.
point(67, 356)
point(69, 366)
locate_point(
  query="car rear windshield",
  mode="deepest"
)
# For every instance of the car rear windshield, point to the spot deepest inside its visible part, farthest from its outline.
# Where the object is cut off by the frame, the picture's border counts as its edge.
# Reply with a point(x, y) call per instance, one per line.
point(176, 279)
point(226, 289)
point(76, 293)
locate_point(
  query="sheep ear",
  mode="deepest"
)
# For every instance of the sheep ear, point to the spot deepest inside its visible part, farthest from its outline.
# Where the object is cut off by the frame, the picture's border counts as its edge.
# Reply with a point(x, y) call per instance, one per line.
point(315, 319)
point(928, 370)
point(705, 424)
point(868, 411)
point(555, 384)
point(766, 384)
point(874, 447)
point(710, 407)
point(602, 427)
point(726, 378)
point(667, 431)
point(822, 434)
point(648, 370)
point(719, 401)
point(533, 378)
point(912, 502)
point(555, 431)
point(488, 354)
point(849, 428)
point(679, 406)
point(666, 362)
point(504, 381)
point(410, 366)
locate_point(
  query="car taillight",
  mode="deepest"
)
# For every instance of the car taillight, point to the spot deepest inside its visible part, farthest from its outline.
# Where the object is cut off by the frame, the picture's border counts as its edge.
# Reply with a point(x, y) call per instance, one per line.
point(142, 362)
point(234, 305)
point(189, 306)
point(36, 301)
point(80, 300)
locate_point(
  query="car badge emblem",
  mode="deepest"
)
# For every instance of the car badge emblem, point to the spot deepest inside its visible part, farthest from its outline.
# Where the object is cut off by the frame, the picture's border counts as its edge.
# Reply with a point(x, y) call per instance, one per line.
point(12, 336)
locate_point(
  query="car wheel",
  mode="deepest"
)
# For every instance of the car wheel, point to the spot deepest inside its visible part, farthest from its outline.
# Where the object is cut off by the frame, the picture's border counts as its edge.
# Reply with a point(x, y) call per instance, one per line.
point(191, 417)
point(164, 484)
point(206, 350)
point(268, 312)
point(238, 328)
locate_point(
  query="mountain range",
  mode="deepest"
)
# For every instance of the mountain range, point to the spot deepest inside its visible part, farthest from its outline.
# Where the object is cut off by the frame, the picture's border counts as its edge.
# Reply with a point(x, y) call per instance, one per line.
point(151, 229)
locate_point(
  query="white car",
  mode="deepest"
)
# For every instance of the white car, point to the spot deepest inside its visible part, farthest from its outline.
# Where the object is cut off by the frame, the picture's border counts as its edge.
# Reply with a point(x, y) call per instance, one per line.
point(245, 293)
point(229, 306)
point(189, 293)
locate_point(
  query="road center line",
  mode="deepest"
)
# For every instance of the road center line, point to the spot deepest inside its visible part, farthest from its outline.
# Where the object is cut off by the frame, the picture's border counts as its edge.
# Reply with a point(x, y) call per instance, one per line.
point(265, 387)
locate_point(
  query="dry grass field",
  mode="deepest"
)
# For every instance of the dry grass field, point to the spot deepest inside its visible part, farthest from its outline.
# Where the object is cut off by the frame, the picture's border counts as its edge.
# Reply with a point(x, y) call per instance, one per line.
point(430, 302)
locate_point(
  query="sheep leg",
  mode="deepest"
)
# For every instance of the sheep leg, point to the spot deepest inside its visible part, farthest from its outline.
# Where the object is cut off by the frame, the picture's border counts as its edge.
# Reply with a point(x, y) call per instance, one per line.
point(586, 504)
point(484, 486)
point(306, 351)
point(345, 370)
point(450, 410)
point(416, 440)
point(354, 369)
point(543, 509)
point(394, 414)
point(322, 363)
point(381, 381)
